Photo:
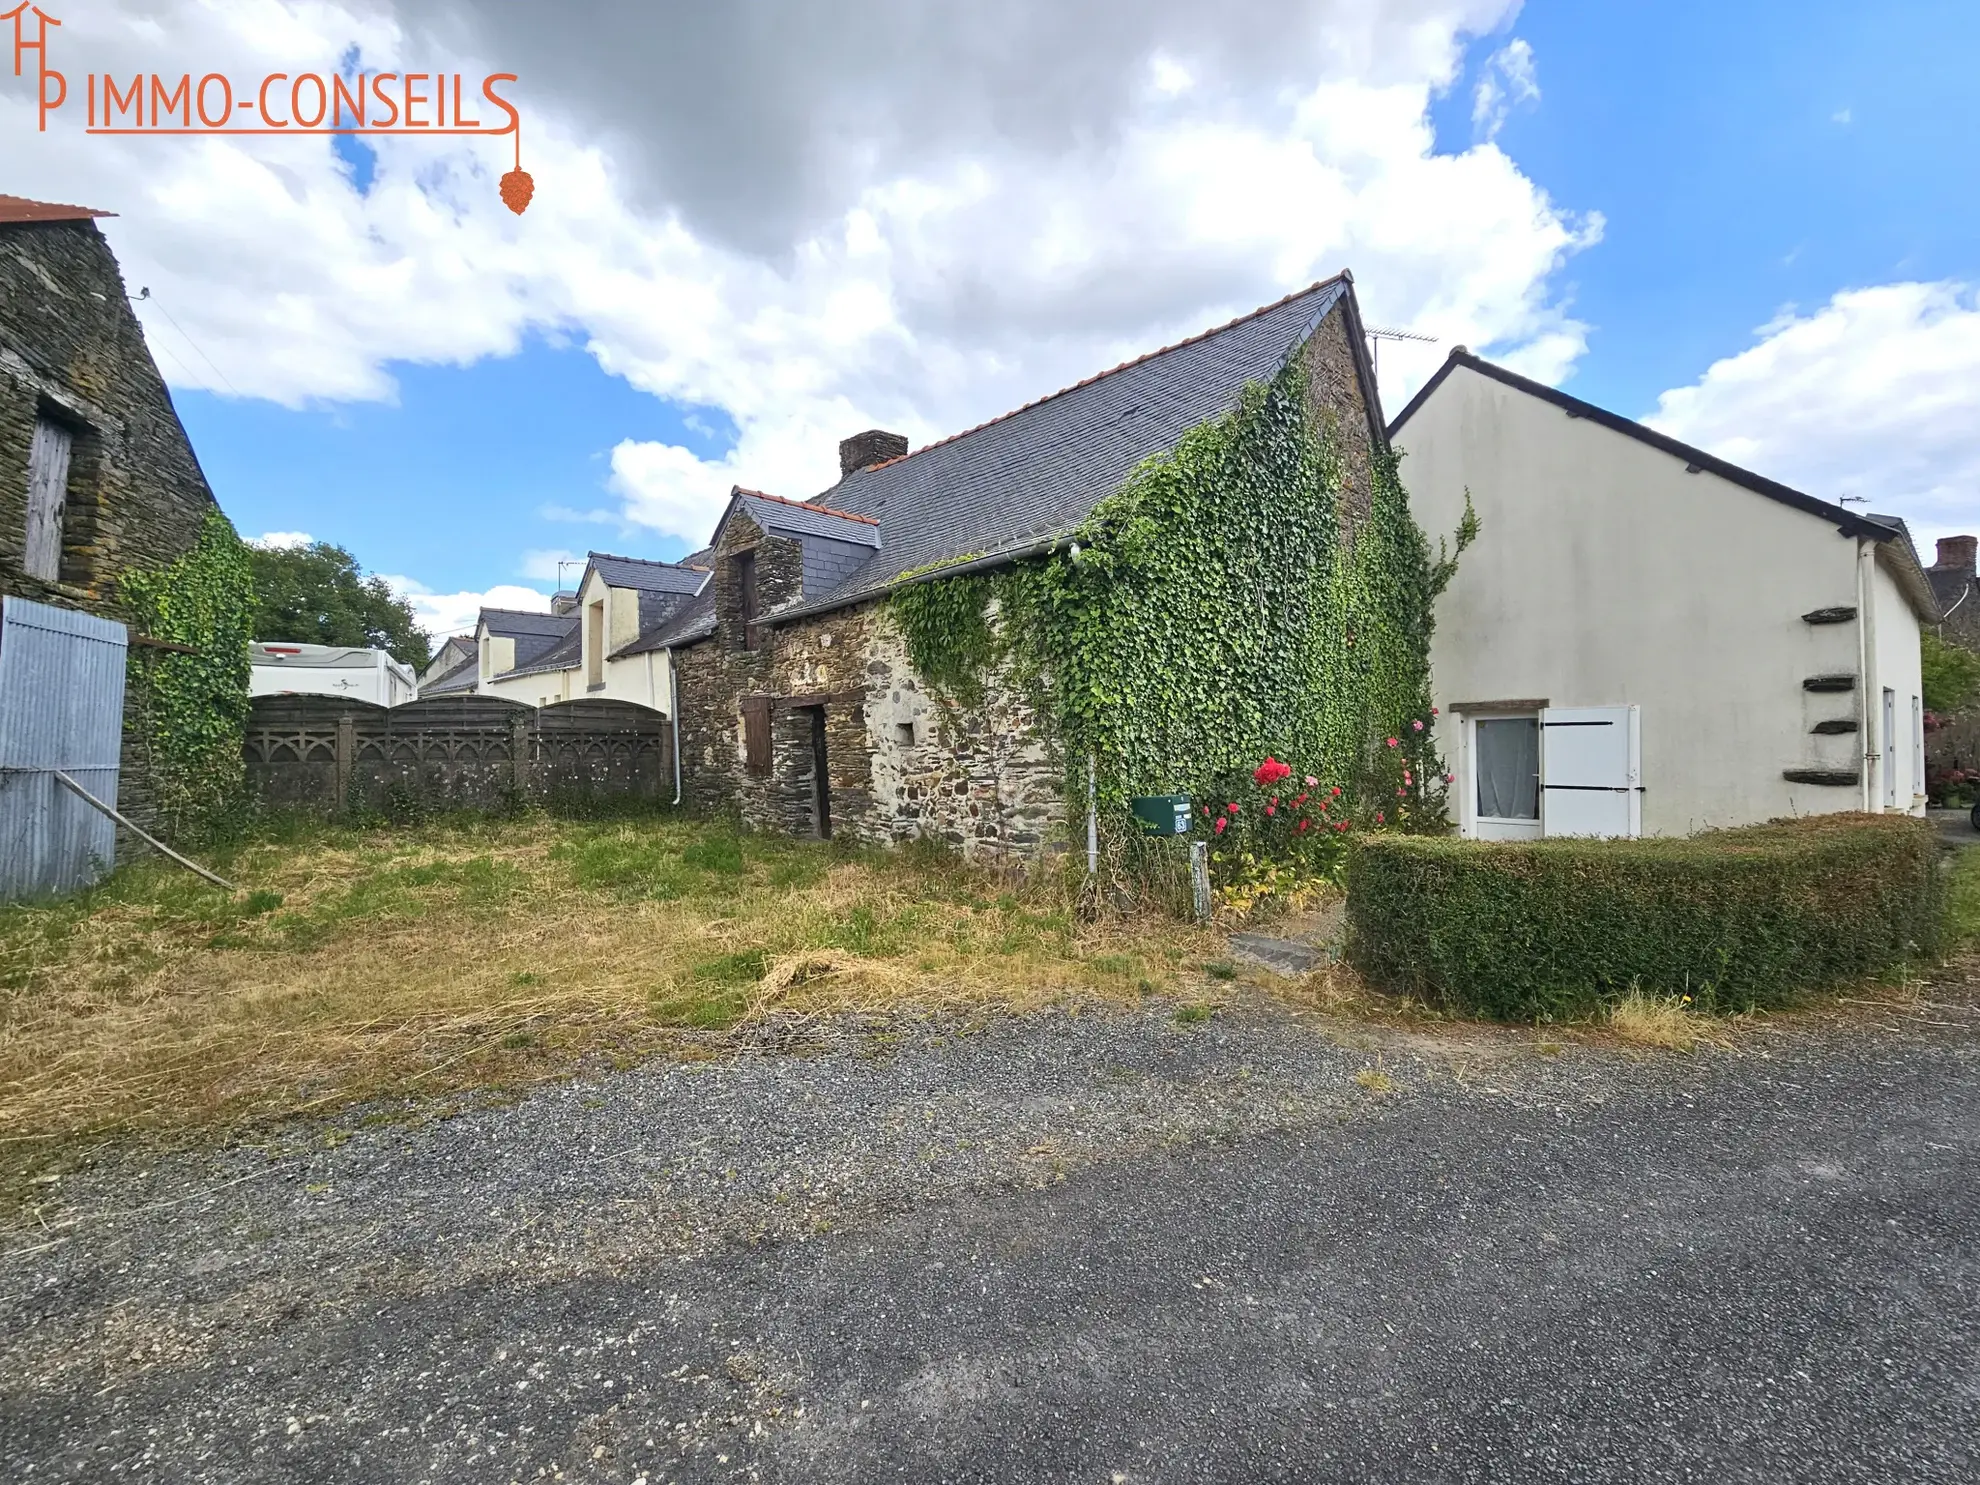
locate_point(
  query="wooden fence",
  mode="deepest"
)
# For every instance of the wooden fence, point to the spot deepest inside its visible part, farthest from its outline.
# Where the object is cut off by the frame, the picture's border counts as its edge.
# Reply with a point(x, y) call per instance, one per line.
point(453, 752)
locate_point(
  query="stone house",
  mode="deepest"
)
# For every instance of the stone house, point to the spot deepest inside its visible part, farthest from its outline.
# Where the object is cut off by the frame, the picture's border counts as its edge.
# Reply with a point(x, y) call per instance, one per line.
point(97, 477)
point(1956, 742)
point(799, 706)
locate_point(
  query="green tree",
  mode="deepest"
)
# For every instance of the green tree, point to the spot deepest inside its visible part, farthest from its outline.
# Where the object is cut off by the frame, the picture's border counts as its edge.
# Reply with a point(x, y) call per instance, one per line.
point(318, 595)
point(1951, 673)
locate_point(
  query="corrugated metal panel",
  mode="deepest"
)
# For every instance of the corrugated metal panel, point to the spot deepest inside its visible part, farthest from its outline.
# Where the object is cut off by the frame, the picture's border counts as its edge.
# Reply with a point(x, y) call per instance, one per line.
point(61, 708)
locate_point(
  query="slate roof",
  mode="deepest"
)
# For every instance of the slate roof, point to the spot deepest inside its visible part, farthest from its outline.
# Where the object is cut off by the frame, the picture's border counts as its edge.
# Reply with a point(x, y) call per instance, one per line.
point(645, 576)
point(535, 634)
point(802, 518)
point(1951, 586)
point(463, 677)
point(1013, 484)
point(565, 654)
point(694, 620)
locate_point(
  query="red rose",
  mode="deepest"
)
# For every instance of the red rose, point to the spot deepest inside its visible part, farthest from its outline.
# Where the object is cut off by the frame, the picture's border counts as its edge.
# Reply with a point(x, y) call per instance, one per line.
point(1218, 828)
point(1378, 817)
point(1337, 791)
point(1231, 808)
point(1303, 824)
point(1271, 809)
point(1394, 742)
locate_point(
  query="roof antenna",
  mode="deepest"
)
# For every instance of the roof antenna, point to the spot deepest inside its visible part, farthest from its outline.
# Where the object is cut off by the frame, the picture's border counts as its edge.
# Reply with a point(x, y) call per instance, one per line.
point(562, 563)
point(1854, 500)
point(1377, 335)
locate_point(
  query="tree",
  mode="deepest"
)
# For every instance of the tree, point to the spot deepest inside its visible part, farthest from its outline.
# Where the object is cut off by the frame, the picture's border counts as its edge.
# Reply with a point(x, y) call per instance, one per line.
point(317, 595)
point(1951, 673)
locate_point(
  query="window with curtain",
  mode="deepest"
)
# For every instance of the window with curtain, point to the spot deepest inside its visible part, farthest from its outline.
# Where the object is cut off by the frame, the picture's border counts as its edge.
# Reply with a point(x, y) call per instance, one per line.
point(1508, 768)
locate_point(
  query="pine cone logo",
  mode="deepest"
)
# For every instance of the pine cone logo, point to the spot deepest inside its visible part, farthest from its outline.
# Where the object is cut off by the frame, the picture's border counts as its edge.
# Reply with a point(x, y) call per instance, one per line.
point(517, 188)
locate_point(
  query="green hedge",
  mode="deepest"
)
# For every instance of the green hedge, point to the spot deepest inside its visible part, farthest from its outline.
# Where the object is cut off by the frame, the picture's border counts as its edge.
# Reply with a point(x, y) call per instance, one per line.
point(1556, 929)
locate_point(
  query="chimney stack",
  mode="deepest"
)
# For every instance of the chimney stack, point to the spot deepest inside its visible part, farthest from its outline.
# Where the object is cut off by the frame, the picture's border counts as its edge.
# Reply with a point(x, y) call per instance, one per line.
point(864, 450)
point(1957, 551)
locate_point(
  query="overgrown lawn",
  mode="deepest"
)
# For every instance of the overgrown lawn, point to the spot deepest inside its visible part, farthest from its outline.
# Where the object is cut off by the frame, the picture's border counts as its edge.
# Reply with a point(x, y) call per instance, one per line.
point(467, 955)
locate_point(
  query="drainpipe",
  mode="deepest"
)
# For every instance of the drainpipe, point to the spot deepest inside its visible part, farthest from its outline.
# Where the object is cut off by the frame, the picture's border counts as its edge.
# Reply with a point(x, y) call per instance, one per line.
point(1866, 557)
point(674, 707)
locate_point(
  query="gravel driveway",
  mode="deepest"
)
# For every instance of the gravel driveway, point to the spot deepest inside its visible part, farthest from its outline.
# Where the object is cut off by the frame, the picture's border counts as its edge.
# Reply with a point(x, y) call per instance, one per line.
point(1101, 1247)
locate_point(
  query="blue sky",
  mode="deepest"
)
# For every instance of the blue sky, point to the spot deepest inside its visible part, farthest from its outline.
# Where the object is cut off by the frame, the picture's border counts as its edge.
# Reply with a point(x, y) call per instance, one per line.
point(1747, 162)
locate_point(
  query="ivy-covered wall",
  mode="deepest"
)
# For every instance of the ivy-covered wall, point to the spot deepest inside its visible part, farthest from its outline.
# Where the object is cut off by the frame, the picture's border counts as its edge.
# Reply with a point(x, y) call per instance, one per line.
point(185, 713)
point(1261, 590)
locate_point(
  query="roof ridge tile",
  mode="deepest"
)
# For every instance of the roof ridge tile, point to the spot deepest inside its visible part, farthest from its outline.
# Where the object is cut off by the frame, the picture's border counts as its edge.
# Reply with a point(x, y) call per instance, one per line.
point(844, 515)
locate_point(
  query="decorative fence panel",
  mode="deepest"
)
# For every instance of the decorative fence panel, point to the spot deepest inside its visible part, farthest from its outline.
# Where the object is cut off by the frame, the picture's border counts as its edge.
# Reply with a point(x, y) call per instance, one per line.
point(453, 752)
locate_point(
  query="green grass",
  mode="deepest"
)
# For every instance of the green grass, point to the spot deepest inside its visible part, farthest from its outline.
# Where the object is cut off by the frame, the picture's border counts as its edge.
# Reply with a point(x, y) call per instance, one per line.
point(1963, 900)
point(464, 953)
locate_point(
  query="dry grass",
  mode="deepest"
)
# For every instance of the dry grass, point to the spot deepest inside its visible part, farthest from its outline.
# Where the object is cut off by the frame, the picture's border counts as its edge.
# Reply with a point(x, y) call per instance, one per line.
point(1663, 1021)
point(450, 957)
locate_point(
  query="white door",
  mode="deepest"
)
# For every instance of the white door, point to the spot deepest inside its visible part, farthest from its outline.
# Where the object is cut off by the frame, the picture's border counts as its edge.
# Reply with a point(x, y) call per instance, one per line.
point(1502, 762)
point(1591, 771)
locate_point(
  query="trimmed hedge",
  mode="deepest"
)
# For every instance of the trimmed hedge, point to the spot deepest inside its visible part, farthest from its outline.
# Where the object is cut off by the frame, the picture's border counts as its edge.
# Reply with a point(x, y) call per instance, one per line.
point(1556, 929)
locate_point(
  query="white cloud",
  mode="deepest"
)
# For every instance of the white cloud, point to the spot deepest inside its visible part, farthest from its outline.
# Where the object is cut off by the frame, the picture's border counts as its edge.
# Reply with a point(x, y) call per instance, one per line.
point(954, 251)
point(442, 614)
point(546, 566)
point(277, 541)
point(1875, 394)
point(1840, 116)
point(1507, 80)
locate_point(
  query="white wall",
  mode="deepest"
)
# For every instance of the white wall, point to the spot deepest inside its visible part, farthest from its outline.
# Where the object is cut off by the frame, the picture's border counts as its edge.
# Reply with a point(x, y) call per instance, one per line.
point(1605, 574)
point(642, 679)
point(1895, 664)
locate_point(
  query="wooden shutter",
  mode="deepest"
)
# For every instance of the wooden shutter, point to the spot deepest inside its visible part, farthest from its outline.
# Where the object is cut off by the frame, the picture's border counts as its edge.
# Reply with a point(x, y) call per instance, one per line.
point(756, 733)
point(48, 491)
point(1591, 771)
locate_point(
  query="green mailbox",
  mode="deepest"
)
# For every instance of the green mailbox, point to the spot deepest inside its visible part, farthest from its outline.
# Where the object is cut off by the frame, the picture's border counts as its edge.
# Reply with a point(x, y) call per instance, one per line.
point(1162, 814)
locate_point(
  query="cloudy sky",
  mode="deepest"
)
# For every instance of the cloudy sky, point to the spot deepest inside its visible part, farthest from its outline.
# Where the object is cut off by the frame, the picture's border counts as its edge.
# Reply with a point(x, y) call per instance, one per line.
point(763, 225)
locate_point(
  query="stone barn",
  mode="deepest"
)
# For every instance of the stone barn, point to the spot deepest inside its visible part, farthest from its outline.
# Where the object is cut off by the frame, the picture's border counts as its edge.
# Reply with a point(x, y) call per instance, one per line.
point(97, 477)
point(798, 704)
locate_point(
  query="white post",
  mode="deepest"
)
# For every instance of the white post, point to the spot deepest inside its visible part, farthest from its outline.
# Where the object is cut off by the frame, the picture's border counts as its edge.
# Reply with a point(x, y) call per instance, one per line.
point(1092, 818)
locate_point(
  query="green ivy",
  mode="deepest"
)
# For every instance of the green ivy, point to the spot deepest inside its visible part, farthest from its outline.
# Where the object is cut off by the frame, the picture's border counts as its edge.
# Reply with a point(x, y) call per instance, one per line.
point(189, 711)
point(1224, 605)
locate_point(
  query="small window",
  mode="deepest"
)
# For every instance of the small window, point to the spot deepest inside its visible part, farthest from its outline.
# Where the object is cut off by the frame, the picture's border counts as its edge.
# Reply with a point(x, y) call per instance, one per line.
point(48, 493)
point(746, 596)
point(904, 734)
point(1508, 768)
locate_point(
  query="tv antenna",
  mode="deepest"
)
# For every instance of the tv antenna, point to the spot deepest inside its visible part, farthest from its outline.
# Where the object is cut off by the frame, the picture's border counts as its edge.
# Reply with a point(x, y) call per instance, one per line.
point(1377, 335)
point(1854, 500)
point(562, 563)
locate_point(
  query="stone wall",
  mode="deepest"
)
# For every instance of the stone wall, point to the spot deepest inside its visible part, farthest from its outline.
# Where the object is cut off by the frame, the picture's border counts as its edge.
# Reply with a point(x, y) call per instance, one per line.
point(898, 764)
point(71, 348)
point(1333, 392)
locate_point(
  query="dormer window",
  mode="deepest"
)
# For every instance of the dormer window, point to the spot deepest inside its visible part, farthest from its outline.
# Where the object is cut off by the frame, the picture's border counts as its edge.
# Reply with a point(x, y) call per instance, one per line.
point(746, 597)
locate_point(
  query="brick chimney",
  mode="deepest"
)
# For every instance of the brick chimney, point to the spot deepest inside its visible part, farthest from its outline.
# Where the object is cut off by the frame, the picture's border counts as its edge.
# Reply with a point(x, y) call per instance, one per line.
point(1954, 551)
point(863, 450)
